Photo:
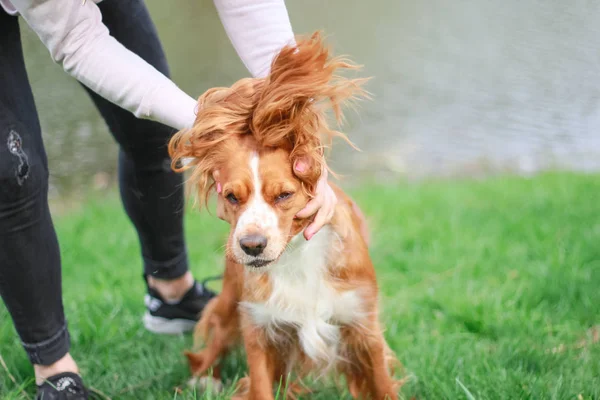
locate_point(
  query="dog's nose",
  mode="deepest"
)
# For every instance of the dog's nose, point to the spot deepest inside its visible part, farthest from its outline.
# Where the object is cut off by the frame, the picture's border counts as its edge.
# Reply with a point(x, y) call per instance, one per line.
point(253, 245)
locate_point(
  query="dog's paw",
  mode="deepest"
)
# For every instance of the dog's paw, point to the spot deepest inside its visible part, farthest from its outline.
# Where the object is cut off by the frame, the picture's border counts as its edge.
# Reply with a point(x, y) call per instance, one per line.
point(206, 384)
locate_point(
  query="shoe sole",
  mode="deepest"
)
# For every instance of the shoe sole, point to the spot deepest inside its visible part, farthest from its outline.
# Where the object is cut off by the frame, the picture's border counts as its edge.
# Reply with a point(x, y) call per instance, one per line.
point(166, 326)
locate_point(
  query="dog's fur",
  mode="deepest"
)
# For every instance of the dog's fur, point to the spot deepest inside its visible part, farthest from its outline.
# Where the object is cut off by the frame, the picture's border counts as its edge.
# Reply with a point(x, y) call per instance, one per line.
point(299, 306)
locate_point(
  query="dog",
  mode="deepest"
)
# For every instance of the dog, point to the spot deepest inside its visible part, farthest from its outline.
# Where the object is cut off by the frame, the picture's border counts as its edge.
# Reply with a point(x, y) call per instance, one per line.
point(299, 306)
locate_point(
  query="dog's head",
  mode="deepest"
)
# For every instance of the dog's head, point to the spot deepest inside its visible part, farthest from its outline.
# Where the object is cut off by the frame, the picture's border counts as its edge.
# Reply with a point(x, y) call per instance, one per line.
point(247, 139)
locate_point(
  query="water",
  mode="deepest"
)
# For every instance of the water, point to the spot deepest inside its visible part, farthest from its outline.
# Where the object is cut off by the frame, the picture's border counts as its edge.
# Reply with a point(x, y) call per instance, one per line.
point(460, 88)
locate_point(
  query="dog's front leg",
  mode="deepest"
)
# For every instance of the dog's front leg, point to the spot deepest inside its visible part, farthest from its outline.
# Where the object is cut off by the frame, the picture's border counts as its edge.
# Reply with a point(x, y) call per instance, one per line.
point(368, 374)
point(381, 384)
point(262, 360)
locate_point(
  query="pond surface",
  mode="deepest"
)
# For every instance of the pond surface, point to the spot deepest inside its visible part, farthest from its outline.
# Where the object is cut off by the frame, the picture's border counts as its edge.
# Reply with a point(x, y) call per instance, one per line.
point(460, 88)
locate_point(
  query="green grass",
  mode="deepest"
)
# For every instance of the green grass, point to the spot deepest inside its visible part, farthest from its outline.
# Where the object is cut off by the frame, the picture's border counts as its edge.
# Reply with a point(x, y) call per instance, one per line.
point(491, 290)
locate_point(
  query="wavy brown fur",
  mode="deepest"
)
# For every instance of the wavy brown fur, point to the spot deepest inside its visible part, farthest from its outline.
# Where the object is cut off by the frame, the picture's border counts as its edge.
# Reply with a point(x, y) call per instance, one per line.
point(284, 110)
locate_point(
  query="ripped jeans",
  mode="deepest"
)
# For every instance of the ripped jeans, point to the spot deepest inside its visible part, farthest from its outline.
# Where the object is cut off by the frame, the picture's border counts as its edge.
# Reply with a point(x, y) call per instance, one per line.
point(30, 264)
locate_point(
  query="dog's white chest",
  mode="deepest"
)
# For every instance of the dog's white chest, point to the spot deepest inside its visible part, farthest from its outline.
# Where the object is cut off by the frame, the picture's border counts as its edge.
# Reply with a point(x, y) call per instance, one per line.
point(302, 298)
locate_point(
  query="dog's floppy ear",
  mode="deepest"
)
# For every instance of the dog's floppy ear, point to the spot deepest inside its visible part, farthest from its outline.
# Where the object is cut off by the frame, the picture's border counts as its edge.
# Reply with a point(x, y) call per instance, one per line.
point(291, 110)
point(196, 150)
point(222, 113)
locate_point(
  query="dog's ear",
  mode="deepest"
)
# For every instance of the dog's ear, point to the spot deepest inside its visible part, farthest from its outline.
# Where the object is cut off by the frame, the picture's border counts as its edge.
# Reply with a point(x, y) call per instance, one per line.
point(222, 113)
point(302, 86)
point(303, 75)
point(196, 150)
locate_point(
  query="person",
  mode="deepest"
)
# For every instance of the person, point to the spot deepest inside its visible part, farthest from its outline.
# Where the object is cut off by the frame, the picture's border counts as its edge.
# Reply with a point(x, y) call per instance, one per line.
point(111, 47)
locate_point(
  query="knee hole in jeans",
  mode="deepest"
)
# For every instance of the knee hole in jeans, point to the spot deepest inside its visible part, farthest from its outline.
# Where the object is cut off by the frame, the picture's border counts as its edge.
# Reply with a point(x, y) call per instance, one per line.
point(23, 173)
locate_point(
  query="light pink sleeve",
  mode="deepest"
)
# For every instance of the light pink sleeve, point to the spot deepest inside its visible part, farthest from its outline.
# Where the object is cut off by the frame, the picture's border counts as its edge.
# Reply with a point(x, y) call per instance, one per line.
point(77, 39)
point(258, 29)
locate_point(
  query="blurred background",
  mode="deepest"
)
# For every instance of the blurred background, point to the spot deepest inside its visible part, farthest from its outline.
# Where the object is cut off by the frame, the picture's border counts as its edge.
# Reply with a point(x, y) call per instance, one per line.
point(460, 88)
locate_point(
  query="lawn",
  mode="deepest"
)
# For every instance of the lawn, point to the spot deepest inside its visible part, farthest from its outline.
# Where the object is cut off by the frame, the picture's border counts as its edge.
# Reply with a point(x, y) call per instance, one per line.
point(490, 290)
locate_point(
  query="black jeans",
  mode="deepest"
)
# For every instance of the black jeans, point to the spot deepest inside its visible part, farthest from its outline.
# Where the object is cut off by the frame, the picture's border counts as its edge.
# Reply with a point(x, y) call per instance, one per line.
point(30, 265)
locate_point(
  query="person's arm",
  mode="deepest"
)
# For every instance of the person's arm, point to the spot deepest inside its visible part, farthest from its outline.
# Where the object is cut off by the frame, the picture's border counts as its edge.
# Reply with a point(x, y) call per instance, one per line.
point(77, 39)
point(258, 29)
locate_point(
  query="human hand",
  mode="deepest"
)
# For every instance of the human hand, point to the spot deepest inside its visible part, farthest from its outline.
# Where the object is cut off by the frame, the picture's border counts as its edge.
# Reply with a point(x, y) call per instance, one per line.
point(323, 203)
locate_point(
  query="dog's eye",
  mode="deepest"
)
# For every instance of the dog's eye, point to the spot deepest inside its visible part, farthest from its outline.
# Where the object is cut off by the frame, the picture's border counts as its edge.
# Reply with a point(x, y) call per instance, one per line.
point(284, 196)
point(231, 198)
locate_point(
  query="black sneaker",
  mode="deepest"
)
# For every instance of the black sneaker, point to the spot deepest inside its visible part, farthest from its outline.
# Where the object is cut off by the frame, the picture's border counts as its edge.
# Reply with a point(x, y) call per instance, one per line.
point(176, 318)
point(65, 386)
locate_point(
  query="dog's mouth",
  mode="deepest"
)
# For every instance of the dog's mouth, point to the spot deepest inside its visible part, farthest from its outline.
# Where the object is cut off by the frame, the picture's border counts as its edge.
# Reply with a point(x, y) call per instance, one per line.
point(259, 263)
